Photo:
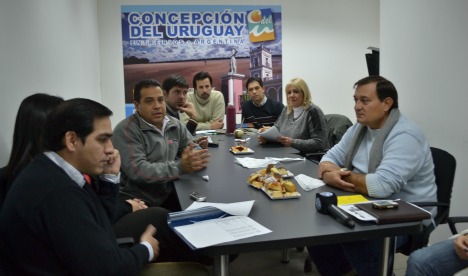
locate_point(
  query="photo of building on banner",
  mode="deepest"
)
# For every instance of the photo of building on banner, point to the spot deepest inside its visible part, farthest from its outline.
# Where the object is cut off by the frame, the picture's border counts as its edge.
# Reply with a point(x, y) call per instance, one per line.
point(232, 43)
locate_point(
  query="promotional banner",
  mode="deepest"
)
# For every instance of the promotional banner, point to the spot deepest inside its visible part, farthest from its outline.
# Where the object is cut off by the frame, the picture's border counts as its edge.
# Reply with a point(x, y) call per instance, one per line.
point(232, 43)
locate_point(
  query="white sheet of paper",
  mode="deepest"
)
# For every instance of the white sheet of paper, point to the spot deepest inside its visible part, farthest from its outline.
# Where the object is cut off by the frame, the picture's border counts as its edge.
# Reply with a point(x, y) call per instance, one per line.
point(285, 159)
point(357, 213)
point(236, 209)
point(271, 134)
point(209, 131)
point(215, 231)
point(308, 183)
point(252, 163)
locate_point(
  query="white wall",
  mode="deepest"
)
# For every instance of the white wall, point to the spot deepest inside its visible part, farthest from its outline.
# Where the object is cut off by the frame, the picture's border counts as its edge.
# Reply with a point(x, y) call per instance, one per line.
point(424, 52)
point(45, 46)
point(324, 42)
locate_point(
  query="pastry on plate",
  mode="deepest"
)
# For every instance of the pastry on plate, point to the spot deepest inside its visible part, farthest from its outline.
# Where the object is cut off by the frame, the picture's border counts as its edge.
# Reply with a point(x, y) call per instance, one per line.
point(257, 184)
point(237, 149)
point(289, 186)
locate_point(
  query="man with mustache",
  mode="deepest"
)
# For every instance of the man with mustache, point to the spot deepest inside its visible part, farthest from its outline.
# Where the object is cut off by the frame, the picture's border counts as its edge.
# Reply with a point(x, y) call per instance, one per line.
point(209, 104)
point(155, 149)
point(260, 111)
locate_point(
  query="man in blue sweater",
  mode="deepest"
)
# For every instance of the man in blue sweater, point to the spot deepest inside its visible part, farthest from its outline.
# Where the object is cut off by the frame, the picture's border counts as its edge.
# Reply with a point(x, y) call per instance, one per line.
point(383, 155)
point(62, 225)
point(260, 111)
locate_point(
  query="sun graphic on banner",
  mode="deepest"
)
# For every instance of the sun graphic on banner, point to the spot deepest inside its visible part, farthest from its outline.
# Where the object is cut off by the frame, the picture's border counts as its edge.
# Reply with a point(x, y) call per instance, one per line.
point(261, 26)
point(255, 16)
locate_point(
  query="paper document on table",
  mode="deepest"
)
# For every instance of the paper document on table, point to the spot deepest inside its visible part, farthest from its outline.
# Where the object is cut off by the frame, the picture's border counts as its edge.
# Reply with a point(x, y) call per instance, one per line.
point(357, 213)
point(252, 163)
point(308, 183)
point(236, 209)
point(270, 134)
point(209, 131)
point(286, 159)
point(215, 231)
point(351, 199)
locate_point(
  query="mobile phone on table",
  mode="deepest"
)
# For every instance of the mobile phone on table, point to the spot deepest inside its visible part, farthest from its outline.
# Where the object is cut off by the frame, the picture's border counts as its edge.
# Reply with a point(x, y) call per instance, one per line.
point(197, 197)
point(384, 204)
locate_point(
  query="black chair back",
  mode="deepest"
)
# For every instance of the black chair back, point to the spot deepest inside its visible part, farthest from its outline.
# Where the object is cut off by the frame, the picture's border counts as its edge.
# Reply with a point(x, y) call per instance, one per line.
point(445, 166)
point(337, 125)
point(444, 170)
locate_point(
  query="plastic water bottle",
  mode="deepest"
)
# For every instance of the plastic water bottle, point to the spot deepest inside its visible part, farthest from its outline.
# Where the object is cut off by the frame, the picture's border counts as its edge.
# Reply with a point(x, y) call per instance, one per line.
point(230, 119)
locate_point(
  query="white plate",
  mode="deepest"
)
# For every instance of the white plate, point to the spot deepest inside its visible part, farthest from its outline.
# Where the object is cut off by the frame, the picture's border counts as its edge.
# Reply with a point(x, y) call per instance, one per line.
point(287, 195)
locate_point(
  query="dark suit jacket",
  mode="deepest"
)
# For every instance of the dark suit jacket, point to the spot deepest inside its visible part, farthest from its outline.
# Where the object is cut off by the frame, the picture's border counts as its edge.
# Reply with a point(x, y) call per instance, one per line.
point(50, 225)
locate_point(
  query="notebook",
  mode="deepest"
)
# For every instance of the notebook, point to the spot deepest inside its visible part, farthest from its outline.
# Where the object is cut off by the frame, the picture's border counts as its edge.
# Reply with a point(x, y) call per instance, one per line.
point(404, 213)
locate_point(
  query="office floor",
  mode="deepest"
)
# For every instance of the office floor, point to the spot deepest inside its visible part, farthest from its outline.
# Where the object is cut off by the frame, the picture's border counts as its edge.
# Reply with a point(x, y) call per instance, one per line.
point(269, 263)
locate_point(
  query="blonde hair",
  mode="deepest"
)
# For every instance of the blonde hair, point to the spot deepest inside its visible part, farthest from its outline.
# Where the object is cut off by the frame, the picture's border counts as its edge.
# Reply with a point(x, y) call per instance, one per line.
point(302, 86)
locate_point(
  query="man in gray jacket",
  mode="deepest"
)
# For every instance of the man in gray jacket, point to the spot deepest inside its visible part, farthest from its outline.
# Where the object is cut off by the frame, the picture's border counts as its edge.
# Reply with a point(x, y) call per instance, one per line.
point(155, 149)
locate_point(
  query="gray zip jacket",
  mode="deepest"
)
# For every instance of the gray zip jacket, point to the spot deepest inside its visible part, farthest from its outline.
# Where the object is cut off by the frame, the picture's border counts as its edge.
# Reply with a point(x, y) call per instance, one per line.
point(150, 162)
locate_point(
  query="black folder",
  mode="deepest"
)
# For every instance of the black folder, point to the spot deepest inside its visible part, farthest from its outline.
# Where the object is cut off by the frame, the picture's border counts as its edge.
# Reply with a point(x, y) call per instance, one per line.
point(405, 212)
point(192, 216)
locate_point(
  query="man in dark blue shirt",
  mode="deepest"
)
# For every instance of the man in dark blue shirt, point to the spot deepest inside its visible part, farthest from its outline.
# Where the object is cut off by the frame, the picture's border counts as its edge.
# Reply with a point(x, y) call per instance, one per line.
point(260, 111)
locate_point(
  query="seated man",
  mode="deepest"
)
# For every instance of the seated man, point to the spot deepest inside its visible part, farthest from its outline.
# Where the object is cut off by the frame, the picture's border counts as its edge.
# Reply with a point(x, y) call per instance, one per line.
point(443, 258)
point(175, 91)
point(383, 155)
point(260, 111)
point(155, 149)
point(62, 225)
point(209, 104)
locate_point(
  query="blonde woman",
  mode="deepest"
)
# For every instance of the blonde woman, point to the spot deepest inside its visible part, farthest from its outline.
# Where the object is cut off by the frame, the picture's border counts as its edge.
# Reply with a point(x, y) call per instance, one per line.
point(301, 123)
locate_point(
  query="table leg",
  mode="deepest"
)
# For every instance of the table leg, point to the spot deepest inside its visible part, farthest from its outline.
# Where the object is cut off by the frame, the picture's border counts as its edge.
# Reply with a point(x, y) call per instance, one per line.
point(221, 265)
point(285, 255)
point(387, 255)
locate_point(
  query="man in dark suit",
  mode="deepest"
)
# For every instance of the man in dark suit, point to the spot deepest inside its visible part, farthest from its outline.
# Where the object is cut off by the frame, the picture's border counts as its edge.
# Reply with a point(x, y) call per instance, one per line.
point(62, 225)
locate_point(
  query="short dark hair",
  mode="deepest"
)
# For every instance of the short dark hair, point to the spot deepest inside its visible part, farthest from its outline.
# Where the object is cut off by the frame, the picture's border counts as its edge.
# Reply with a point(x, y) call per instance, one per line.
point(384, 88)
point(143, 84)
point(174, 81)
point(201, 76)
point(76, 115)
point(252, 79)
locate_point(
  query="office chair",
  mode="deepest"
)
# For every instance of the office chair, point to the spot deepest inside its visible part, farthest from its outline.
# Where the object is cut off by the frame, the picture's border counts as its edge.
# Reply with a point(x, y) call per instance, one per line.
point(452, 221)
point(337, 125)
point(444, 171)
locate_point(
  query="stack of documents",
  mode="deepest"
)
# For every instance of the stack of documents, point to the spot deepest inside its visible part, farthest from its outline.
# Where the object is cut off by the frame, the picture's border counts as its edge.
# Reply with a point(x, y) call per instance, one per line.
point(204, 224)
point(271, 134)
point(308, 183)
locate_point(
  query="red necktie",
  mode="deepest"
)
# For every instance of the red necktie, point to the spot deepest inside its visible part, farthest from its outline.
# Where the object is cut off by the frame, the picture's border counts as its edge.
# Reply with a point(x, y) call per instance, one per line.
point(88, 179)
